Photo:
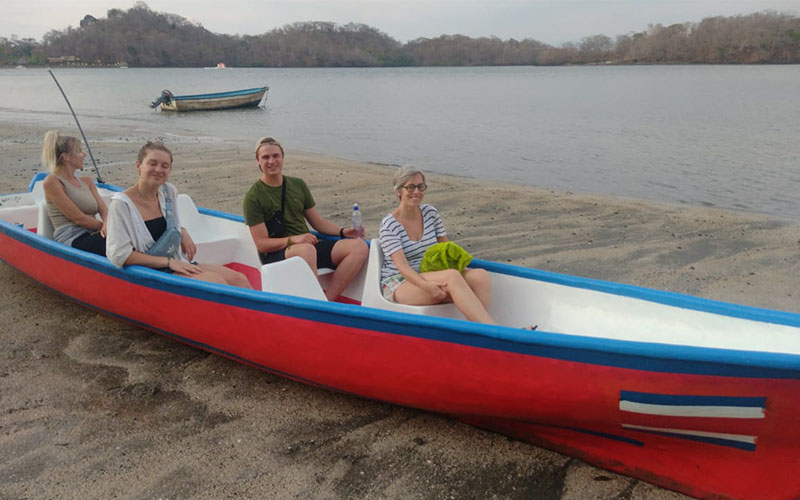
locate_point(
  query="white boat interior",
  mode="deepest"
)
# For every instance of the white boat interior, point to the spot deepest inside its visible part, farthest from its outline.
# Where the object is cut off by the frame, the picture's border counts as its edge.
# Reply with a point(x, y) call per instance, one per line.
point(516, 300)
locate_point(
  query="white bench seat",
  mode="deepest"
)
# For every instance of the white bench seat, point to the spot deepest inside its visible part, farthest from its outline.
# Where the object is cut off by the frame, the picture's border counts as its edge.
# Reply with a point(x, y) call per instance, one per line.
point(26, 215)
point(292, 277)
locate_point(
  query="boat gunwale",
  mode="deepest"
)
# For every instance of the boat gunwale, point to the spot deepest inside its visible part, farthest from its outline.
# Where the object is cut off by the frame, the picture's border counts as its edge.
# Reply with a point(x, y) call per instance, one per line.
point(219, 95)
point(662, 297)
point(659, 357)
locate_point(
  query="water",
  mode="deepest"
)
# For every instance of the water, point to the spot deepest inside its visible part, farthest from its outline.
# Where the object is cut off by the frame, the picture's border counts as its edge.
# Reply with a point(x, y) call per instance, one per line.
point(722, 136)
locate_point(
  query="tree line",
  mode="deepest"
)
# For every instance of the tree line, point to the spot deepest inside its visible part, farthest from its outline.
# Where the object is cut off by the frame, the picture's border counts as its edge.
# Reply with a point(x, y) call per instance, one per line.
point(141, 37)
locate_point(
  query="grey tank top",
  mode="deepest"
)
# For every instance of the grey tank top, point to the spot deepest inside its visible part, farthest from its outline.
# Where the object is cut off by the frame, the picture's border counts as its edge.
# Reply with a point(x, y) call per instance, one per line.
point(82, 198)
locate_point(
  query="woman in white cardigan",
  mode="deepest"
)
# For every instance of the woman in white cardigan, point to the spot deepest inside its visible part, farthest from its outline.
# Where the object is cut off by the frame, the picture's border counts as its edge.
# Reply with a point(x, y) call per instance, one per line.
point(144, 228)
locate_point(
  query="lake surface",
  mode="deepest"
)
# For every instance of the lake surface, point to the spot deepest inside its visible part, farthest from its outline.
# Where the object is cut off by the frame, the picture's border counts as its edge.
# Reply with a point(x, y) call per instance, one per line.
point(721, 136)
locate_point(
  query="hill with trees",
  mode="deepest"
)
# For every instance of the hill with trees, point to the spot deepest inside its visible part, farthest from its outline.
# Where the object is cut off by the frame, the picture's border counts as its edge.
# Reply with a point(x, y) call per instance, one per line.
point(144, 38)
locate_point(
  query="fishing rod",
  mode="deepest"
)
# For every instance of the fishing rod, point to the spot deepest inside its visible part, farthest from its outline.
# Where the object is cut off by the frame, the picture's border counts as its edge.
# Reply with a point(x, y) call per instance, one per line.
point(96, 170)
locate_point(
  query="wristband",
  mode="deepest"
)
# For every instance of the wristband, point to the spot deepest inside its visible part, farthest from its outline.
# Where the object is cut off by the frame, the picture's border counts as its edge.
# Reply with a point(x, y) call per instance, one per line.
point(168, 259)
point(288, 241)
point(341, 233)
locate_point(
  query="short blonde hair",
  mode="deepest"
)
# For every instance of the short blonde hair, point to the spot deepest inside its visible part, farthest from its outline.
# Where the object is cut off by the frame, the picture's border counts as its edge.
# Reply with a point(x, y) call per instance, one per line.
point(403, 174)
point(268, 141)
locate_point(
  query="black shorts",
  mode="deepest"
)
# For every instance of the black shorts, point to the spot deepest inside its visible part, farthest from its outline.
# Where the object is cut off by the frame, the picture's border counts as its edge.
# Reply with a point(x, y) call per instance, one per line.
point(91, 242)
point(324, 249)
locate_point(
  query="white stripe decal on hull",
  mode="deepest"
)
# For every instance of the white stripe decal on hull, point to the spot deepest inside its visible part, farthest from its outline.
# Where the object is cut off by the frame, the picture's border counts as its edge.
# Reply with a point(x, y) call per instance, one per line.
point(692, 411)
point(713, 435)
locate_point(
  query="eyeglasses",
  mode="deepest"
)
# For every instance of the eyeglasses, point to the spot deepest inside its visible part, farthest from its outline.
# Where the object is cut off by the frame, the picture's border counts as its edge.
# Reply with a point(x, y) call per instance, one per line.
point(413, 187)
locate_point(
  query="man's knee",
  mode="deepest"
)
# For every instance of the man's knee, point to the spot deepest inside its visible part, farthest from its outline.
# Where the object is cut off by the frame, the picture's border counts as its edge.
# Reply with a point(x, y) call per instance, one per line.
point(360, 249)
point(305, 251)
point(355, 249)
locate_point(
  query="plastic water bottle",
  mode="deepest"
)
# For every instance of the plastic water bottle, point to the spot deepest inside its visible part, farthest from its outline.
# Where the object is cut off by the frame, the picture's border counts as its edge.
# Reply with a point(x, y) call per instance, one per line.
point(358, 220)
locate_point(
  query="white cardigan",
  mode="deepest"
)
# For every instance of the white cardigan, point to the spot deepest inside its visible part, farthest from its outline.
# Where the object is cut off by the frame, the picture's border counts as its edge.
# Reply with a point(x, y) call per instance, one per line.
point(126, 230)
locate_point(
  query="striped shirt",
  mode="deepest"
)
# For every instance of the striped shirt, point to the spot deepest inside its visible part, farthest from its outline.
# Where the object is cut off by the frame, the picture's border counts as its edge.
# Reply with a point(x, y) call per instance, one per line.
point(394, 237)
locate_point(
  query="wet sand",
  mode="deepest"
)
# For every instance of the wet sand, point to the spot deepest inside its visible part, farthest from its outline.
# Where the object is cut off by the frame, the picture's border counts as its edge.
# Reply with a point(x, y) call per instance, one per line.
point(92, 407)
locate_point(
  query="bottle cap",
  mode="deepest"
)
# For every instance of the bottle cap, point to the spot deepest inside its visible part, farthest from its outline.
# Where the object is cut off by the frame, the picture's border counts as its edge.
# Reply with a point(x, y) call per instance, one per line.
point(355, 206)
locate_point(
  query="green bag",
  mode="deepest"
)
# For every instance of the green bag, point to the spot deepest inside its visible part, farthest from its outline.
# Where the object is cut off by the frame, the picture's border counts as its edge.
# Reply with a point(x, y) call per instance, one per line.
point(446, 255)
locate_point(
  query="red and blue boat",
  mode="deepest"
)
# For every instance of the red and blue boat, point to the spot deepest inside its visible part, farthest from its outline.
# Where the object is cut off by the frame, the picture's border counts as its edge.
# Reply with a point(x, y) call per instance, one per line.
point(694, 395)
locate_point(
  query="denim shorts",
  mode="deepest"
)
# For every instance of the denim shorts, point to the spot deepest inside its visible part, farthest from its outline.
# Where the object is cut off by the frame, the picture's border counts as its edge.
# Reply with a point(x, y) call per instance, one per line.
point(390, 284)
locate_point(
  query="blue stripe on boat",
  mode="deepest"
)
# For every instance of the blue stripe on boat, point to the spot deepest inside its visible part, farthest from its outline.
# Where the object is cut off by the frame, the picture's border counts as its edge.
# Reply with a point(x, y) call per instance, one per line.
point(677, 400)
point(730, 443)
point(599, 351)
point(606, 435)
point(219, 95)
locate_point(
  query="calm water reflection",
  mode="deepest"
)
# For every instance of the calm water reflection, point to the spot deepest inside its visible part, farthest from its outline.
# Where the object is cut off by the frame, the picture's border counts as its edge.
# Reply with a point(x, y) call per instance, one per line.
point(722, 136)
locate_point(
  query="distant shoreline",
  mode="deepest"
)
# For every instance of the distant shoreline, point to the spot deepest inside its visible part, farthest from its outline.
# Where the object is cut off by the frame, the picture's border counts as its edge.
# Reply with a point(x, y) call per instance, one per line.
point(609, 63)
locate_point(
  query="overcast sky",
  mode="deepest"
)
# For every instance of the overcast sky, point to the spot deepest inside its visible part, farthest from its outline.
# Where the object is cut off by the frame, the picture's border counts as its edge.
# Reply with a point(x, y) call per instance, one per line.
point(550, 21)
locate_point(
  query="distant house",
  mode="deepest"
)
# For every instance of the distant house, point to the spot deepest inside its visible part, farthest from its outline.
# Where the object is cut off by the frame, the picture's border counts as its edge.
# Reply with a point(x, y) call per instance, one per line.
point(63, 60)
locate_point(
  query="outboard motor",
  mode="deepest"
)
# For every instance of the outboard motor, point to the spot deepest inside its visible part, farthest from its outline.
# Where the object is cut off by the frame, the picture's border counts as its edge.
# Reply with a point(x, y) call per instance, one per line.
point(166, 96)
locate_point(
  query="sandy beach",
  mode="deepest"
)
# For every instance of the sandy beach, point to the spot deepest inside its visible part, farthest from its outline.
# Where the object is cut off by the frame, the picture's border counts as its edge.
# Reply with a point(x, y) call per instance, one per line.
point(92, 407)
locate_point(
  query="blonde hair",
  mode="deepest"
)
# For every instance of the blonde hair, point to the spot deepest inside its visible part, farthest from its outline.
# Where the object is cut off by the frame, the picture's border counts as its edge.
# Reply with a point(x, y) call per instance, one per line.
point(56, 145)
point(268, 141)
point(402, 176)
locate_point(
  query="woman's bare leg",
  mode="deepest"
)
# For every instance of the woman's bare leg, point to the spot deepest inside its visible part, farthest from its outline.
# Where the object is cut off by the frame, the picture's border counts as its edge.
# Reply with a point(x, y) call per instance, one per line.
point(348, 256)
point(481, 283)
point(459, 292)
point(222, 274)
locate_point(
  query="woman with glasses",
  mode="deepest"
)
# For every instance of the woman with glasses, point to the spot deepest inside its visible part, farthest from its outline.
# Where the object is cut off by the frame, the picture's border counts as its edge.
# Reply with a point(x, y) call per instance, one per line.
point(405, 234)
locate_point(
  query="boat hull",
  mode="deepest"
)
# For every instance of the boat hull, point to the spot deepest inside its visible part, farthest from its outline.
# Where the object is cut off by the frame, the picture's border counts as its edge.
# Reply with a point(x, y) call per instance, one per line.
point(249, 98)
point(615, 404)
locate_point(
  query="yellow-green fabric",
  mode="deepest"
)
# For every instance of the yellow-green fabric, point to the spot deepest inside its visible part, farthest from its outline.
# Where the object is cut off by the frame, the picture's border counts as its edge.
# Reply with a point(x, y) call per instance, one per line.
point(445, 255)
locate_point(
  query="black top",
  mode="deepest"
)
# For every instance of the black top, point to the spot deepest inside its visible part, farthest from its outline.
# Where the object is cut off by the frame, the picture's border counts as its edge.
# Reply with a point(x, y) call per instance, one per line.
point(156, 227)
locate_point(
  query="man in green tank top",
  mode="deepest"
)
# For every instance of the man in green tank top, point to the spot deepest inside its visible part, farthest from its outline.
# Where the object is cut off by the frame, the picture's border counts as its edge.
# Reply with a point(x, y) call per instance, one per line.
point(263, 202)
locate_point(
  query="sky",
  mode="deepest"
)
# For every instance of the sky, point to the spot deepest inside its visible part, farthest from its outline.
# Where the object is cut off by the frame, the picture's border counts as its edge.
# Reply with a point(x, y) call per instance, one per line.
point(550, 21)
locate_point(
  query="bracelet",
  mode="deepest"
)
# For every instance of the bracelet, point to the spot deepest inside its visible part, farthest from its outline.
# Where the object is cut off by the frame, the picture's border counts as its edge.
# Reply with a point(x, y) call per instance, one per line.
point(288, 241)
point(168, 259)
point(341, 233)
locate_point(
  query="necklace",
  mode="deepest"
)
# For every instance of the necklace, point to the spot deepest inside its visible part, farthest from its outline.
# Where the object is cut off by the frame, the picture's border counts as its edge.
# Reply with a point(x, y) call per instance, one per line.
point(148, 196)
point(145, 200)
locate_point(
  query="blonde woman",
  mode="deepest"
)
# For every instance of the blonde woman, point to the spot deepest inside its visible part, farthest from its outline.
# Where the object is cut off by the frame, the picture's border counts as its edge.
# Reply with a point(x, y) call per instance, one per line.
point(144, 228)
point(73, 203)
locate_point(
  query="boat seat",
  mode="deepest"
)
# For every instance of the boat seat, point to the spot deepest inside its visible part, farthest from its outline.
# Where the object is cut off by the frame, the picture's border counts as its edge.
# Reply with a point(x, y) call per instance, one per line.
point(191, 218)
point(37, 192)
point(373, 296)
point(21, 215)
point(212, 247)
point(44, 226)
point(292, 277)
